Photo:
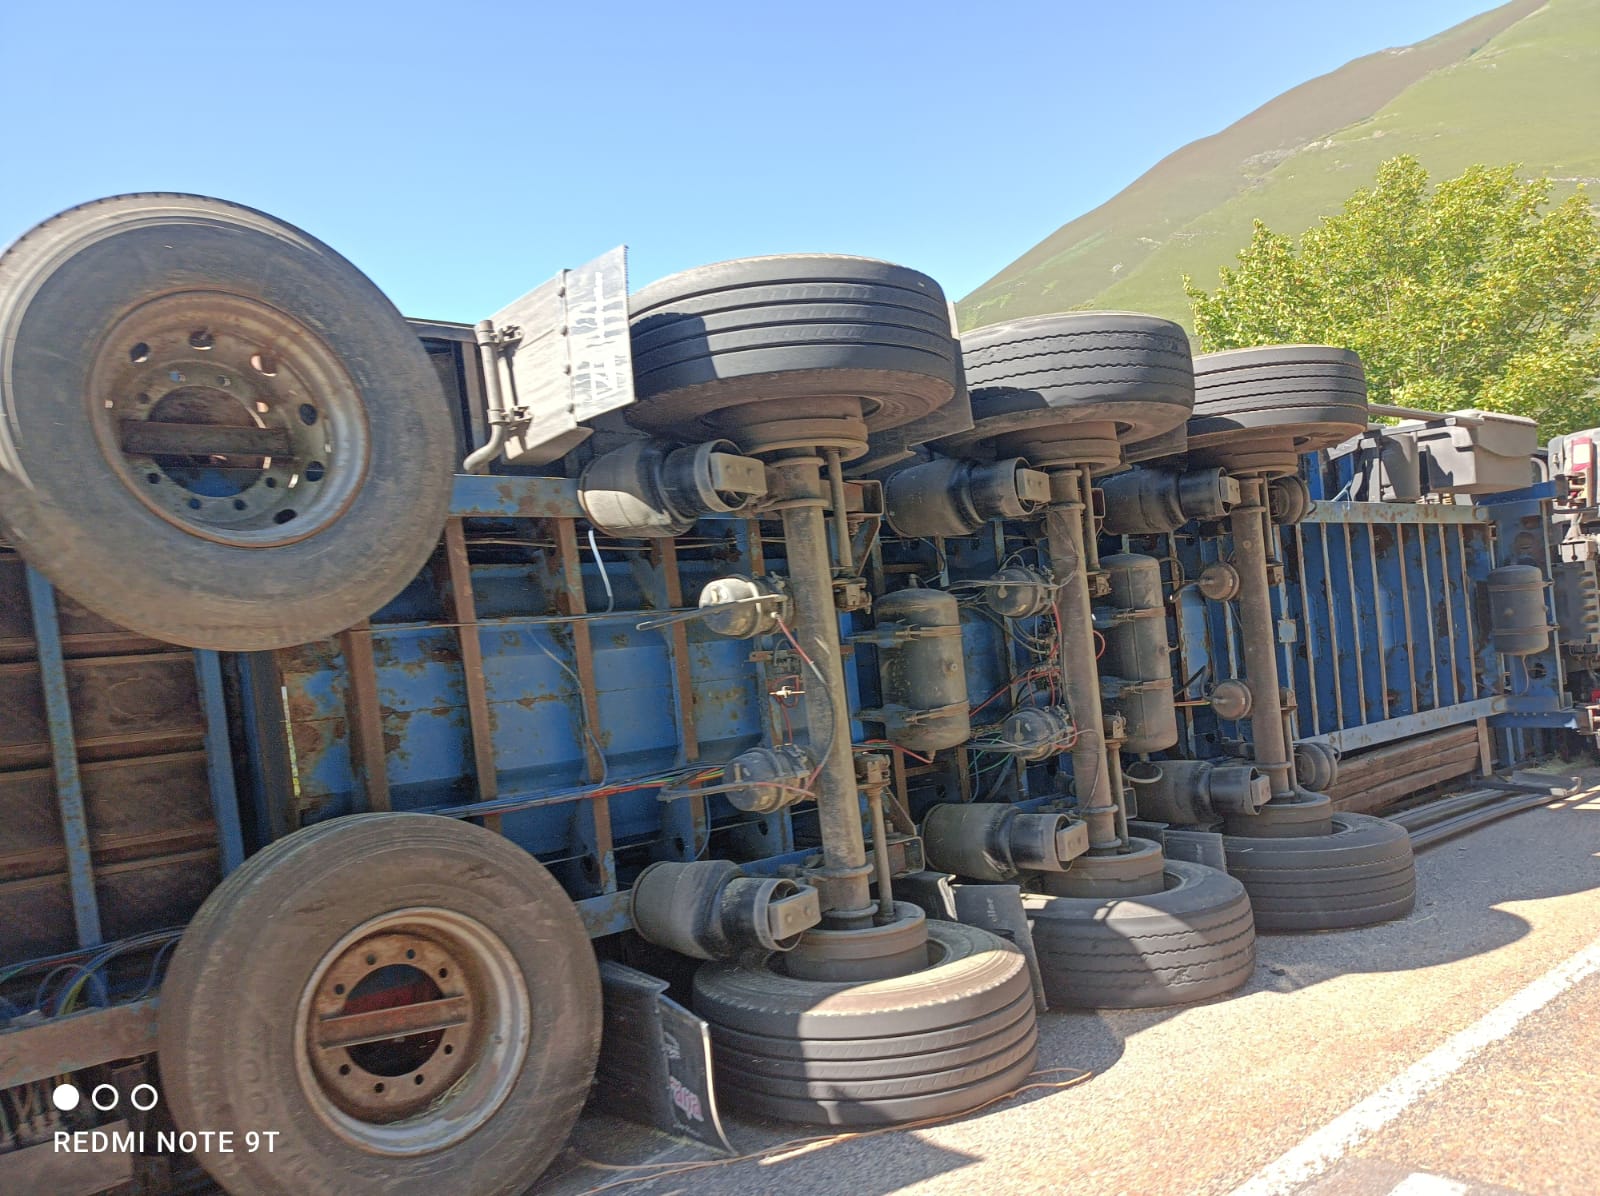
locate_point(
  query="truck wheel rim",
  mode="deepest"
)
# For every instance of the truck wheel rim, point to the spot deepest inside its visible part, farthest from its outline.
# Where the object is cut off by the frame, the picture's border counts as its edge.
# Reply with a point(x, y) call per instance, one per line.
point(209, 359)
point(455, 994)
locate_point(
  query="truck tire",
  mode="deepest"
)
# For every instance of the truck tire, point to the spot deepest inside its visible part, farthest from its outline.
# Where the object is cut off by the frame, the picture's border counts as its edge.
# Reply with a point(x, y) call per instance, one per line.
point(148, 315)
point(1134, 370)
point(771, 330)
point(1315, 393)
point(372, 913)
point(1360, 875)
point(936, 1042)
point(1192, 941)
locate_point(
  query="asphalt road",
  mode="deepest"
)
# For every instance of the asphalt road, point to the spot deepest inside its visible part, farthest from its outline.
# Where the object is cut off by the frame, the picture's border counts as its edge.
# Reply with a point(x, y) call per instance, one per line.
point(1455, 1053)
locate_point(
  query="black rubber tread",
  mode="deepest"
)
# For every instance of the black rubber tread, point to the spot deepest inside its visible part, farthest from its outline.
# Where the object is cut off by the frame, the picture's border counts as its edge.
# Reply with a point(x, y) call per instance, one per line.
point(227, 1024)
point(1133, 369)
point(1279, 386)
point(885, 1050)
point(62, 287)
point(1192, 941)
point(883, 1112)
point(1361, 874)
point(791, 326)
point(977, 973)
point(998, 1058)
point(975, 1049)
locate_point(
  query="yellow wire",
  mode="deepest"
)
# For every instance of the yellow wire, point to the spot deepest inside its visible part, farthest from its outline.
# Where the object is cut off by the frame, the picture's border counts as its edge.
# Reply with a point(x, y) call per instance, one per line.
point(667, 1170)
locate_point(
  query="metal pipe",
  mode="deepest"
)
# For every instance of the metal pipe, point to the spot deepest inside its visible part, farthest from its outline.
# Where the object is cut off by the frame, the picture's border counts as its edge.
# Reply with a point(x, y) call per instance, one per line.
point(841, 520)
point(494, 399)
point(1119, 786)
point(880, 855)
point(1260, 652)
point(1101, 809)
point(797, 490)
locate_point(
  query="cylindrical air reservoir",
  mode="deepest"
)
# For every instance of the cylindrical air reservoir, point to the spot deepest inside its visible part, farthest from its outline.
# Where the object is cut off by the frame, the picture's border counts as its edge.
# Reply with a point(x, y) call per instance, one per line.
point(1518, 621)
point(1136, 669)
point(921, 670)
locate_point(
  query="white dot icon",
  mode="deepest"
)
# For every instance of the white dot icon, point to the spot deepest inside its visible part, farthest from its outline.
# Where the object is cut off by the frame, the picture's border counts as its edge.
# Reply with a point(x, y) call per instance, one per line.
point(66, 1097)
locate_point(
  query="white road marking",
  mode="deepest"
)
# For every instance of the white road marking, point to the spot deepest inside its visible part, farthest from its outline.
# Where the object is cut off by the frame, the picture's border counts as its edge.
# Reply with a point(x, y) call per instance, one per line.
point(1315, 1152)
point(1420, 1183)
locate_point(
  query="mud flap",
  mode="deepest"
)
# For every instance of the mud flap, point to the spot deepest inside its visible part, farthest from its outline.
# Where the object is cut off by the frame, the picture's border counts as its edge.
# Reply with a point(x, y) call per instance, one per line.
point(994, 907)
point(998, 908)
point(655, 1059)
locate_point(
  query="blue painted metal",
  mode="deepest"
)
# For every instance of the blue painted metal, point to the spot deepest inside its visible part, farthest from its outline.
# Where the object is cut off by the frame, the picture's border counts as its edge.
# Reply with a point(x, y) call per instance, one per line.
point(219, 760)
point(64, 759)
point(1390, 636)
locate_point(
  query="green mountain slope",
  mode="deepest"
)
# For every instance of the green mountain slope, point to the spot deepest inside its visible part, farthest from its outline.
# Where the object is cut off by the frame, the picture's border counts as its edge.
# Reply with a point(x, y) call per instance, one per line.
point(1518, 84)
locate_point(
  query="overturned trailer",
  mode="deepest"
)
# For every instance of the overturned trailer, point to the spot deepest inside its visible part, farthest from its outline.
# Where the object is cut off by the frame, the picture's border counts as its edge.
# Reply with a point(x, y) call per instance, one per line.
point(776, 642)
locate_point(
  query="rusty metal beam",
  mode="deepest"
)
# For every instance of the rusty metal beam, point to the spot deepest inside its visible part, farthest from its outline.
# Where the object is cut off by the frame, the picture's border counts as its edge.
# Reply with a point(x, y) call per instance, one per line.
point(572, 601)
point(365, 717)
point(158, 438)
point(664, 555)
point(374, 1025)
point(462, 610)
point(76, 1041)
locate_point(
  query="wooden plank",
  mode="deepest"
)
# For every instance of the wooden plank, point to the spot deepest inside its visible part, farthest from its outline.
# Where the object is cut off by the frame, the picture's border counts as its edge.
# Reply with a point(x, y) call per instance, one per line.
point(166, 718)
point(79, 1040)
point(1376, 799)
point(364, 716)
point(462, 610)
point(43, 1168)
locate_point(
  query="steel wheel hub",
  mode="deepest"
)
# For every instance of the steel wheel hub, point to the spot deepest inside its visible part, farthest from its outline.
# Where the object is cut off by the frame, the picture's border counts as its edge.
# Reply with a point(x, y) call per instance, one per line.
point(412, 1031)
point(228, 418)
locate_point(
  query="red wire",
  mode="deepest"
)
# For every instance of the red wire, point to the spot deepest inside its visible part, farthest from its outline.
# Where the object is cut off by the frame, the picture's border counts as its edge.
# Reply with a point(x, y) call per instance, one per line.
point(902, 750)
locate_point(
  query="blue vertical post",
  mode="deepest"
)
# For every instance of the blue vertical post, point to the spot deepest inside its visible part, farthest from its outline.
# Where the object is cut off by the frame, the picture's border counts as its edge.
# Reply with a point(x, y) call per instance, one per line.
point(219, 760)
point(64, 757)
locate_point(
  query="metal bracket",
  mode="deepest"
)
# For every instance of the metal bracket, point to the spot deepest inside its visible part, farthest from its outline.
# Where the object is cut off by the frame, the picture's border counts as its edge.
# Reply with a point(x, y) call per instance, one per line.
point(566, 356)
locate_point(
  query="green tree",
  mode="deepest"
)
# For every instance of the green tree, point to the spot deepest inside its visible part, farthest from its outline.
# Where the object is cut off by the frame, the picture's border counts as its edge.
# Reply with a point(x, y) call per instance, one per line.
point(1475, 293)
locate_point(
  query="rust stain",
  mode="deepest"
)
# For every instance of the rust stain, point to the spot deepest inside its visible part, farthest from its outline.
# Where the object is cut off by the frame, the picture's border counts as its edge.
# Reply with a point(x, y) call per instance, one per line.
point(302, 707)
point(313, 740)
point(307, 658)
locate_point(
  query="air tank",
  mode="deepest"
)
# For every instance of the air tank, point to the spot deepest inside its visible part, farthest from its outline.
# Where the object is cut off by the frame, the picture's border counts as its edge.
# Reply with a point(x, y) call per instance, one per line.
point(1519, 624)
point(1136, 667)
point(921, 670)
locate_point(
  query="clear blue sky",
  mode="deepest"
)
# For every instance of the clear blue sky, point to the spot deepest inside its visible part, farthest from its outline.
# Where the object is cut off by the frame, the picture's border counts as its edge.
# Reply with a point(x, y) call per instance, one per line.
point(461, 153)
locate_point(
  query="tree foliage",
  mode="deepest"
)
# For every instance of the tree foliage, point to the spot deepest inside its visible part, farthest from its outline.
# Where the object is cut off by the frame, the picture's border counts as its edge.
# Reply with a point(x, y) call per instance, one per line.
point(1475, 293)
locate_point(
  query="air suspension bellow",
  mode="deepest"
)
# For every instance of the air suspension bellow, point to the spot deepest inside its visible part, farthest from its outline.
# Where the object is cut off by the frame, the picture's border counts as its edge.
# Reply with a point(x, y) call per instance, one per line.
point(992, 841)
point(651, 489)
point(1195, 792)
point(1147, 501)
point(708, 909)
point(947, 497)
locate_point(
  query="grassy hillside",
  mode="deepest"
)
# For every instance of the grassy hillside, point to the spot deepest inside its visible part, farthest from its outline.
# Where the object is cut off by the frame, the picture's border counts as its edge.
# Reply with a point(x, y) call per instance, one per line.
point(1518, 84)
